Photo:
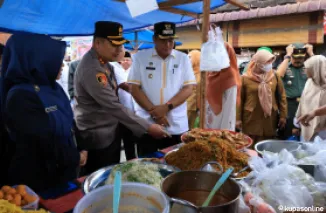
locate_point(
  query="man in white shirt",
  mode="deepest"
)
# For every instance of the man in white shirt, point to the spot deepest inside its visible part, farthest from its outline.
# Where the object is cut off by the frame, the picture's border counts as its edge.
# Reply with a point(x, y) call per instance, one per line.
point(121, 71)
point(162, 79)
point(63, 81)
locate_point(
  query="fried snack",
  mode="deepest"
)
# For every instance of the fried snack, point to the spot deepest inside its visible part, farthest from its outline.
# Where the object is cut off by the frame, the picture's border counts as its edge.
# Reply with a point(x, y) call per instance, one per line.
point(193, 156)
point(6, 207)
point(238, 140)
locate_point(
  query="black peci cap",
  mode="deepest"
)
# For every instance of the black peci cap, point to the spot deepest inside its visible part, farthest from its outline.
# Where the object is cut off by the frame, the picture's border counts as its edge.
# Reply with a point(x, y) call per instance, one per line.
point(111, 31)
point(165, 30)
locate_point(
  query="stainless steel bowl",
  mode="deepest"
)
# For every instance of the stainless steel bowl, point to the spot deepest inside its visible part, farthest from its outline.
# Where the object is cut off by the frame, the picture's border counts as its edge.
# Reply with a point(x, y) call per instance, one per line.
point(98, 178)
point(276, 146)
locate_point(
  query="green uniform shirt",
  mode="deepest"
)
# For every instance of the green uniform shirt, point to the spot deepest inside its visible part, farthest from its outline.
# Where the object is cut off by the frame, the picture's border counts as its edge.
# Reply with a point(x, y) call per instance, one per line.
point(294, 81)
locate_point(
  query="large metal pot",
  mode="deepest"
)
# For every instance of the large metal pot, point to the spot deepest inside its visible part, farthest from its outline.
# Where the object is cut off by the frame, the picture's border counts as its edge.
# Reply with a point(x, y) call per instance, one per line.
point(188, 190)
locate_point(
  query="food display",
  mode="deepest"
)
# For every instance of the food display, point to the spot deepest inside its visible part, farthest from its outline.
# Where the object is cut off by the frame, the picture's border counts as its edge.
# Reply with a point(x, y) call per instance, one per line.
point(7, 207)
point(238, 140)
point(17, 195)
point(137, 172)
point(194, 155)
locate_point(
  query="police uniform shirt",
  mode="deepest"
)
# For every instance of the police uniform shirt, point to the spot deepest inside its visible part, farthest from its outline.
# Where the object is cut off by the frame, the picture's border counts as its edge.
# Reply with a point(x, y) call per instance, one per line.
point(98, 111)
point(294, 81)
point(161, 80)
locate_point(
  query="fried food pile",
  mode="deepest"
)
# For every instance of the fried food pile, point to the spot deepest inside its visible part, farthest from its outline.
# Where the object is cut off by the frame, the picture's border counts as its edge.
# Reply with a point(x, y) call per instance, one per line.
point(238, 140)
point(17, 195)
point(7, 207)
point(194, 155)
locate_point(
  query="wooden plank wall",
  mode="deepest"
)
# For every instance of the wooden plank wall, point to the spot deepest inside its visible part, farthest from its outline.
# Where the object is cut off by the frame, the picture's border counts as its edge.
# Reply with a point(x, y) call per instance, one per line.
point(278, 31)
point(271, 31)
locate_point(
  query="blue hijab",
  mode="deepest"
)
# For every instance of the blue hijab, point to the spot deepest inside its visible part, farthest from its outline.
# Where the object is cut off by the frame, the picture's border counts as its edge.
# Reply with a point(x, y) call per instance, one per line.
point(32, 59)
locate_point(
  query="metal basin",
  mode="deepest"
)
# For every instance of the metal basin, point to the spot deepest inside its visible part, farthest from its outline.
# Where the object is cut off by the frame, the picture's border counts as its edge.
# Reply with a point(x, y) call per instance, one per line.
point(276, 146)
point(188, 190)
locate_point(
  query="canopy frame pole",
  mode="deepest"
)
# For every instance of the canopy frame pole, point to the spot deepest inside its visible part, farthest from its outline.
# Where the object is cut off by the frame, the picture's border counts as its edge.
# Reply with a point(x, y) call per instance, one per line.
point(204, 37)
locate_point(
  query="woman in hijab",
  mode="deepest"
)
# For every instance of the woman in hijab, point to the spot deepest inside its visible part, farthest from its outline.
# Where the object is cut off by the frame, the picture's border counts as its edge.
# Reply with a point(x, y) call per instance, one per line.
point(313, 97)
point(193, 100)
point(37, 112)
point(262, 99)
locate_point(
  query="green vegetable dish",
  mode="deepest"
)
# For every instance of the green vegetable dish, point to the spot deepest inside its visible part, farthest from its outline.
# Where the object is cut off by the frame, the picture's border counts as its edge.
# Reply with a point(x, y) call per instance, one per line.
point(137, 172)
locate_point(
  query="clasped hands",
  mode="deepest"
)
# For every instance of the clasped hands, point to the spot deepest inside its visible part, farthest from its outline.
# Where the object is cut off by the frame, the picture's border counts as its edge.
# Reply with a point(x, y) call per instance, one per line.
point(158, 113)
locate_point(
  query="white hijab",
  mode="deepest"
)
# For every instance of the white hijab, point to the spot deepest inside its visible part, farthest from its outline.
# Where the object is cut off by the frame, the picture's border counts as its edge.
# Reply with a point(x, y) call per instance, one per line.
point(313, 95)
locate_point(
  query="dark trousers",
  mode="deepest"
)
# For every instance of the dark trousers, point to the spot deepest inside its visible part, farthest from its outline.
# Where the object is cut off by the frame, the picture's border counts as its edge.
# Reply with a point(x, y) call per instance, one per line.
point(100, 158)
point(128, 142)
point(7, 150)
point(292, 110)
point(147, 144)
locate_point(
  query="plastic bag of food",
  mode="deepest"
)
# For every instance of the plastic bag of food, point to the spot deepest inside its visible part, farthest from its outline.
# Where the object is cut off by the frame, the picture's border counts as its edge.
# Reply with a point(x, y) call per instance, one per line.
point(320, 173)
point(214, 56)
point(260, 206)
point(288, 186)
point(317, 159)
point(243, 208)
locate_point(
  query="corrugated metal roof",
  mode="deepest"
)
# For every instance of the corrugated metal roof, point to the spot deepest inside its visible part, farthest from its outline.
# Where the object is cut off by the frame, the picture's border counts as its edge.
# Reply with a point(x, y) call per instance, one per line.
point(302, 7)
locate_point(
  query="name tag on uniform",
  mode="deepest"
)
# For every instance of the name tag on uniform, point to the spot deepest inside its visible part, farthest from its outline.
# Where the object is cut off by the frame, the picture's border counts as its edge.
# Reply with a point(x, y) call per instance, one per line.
point(51, 109)
point(150, 68)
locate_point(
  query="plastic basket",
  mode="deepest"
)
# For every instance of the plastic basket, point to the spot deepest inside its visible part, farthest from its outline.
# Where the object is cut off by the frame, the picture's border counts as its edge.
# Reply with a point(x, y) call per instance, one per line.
point(30, 206)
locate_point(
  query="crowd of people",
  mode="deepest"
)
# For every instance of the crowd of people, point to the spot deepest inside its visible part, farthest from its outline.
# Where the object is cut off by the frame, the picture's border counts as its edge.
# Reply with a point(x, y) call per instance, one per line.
point(147, 100)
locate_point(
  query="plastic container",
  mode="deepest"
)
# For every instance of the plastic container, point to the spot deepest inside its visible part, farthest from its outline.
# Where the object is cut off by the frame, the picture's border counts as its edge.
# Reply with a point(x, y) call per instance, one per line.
point(135, 197)
point(31, 206)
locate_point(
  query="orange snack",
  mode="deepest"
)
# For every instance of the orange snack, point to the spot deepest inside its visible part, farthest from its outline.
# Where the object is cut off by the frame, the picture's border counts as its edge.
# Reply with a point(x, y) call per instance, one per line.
point(21, 190)
point(5, 188)
point(12, 191)
point(24, 203)
point(29, 198)
point(1, 194)
point(8, 197)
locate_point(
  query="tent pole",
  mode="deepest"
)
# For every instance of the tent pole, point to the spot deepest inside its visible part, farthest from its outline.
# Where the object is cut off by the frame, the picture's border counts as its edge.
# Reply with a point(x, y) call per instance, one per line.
point(205, 28)
point(136, 40)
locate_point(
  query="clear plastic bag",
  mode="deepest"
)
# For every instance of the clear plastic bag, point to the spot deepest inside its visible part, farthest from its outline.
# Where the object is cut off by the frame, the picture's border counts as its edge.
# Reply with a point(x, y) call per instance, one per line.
point(243, 208)
point(214, 56)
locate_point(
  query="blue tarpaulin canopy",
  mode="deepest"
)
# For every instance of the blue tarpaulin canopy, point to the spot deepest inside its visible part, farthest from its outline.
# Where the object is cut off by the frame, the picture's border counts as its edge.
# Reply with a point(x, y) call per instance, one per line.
point(77, 17)
point(142, 39)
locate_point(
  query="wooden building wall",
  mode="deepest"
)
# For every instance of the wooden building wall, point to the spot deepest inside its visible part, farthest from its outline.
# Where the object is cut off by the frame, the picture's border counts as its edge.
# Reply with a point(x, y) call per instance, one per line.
point(271, 31)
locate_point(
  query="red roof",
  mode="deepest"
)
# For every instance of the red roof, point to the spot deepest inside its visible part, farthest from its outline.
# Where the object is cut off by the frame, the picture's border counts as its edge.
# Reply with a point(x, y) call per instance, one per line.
point(302, 7)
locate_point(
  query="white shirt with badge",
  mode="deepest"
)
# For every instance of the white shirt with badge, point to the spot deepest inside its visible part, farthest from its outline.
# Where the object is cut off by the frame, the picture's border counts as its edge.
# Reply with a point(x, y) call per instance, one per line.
point(121, 75)
point(161, 80)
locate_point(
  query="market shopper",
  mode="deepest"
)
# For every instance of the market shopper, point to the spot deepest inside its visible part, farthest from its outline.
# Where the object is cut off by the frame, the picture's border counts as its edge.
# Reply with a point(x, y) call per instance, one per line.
point(194, 100)
point(98, 112)
point(262, 96)
point(223, 95)
point(72, 69)
point(292, 72)
point(37, 113)
point(162, 79)
point(121, 71)
point(313, 96)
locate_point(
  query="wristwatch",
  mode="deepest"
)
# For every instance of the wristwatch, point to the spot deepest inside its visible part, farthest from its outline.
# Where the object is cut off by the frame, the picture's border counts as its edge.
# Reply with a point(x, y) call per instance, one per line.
point(170, 106)
point(287, 57)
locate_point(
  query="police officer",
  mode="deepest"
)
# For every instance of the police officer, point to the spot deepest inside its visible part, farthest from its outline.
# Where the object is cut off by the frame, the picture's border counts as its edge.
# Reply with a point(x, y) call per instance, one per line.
point(162, 79)
point(294, 78)
point(98, 112)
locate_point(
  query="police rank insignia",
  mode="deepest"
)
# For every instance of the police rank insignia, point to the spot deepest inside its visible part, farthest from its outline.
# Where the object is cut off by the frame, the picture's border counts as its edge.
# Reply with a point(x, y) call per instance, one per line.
point(102, 79)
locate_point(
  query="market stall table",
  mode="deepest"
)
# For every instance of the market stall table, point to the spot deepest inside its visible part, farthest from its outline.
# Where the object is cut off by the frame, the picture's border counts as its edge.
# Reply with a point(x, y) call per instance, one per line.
point(67, 202)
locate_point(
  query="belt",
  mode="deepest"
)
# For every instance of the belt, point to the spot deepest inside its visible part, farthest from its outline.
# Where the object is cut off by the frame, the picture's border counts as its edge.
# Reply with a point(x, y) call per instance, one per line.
point(297, 99)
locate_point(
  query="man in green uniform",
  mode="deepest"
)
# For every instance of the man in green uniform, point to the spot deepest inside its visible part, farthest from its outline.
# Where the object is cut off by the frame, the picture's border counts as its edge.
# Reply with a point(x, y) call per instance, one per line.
point(294, 78)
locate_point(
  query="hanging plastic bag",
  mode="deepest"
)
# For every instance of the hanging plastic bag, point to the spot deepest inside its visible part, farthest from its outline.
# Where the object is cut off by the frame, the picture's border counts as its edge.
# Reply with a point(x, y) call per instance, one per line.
point(214, 56)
